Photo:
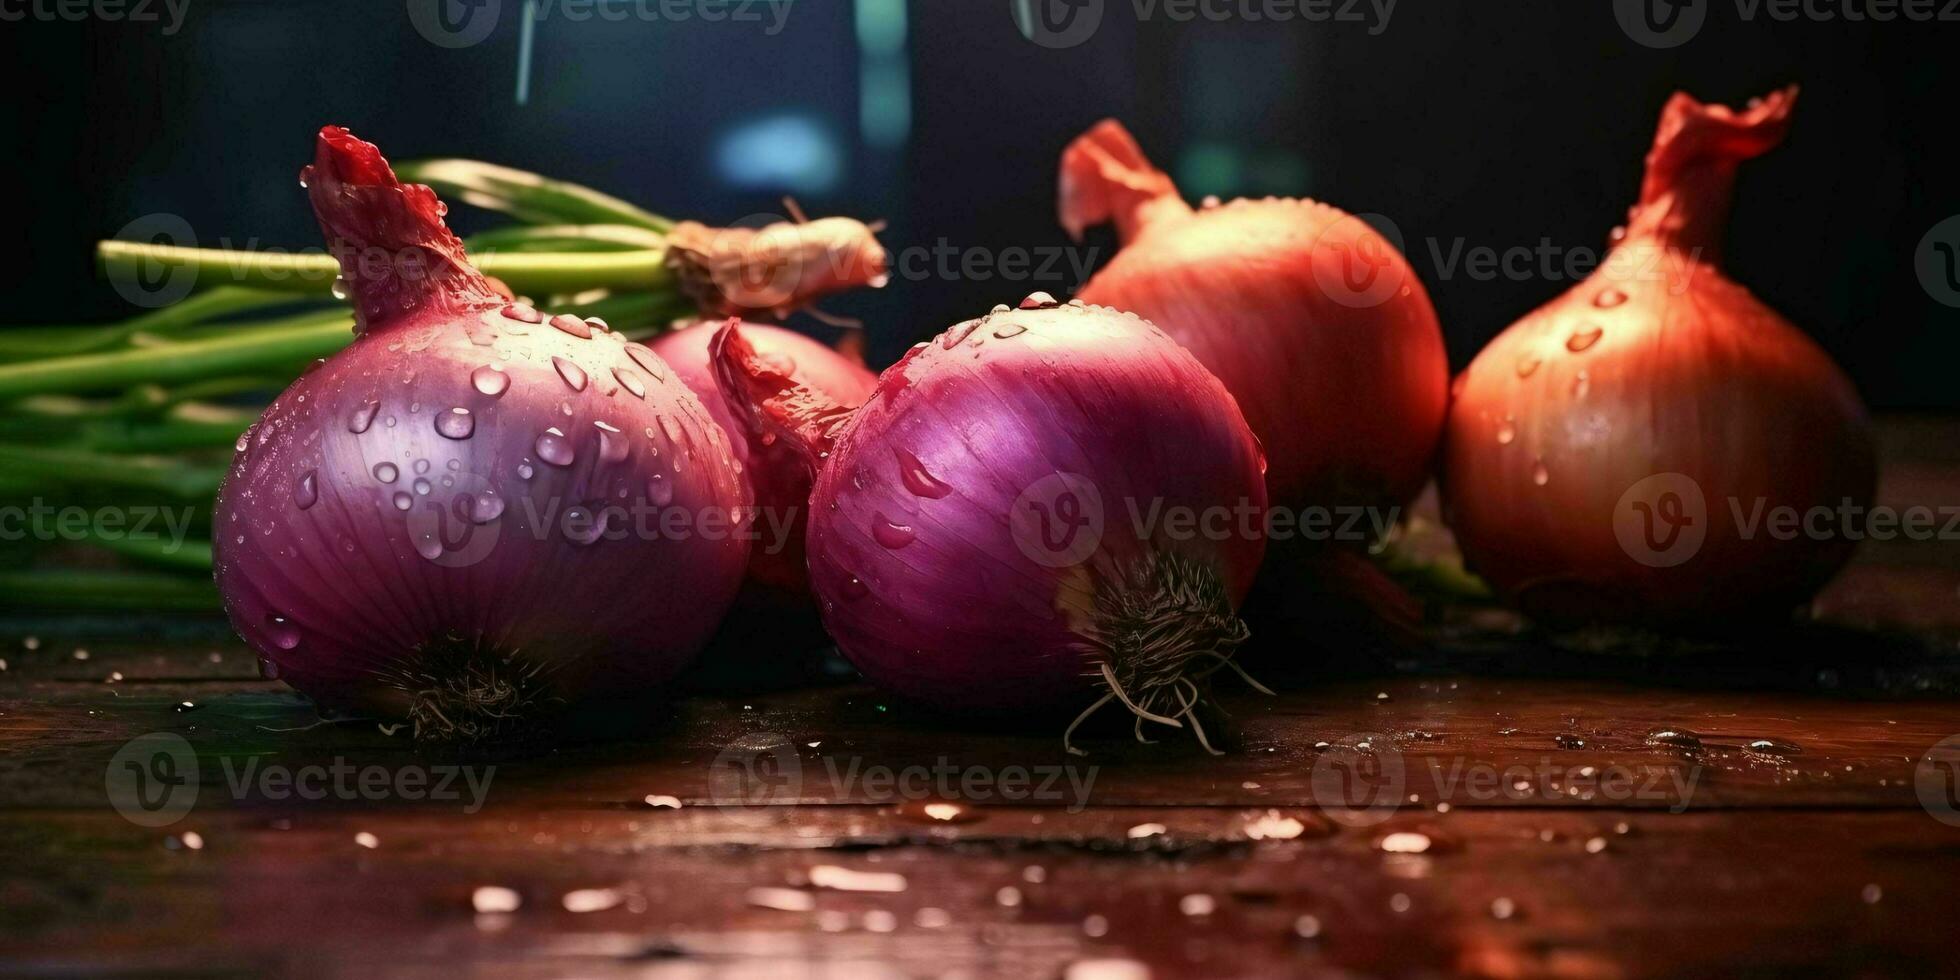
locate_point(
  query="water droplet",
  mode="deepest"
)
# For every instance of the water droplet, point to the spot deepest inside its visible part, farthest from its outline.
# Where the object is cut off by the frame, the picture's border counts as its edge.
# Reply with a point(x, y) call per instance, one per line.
point(671, 428)
point(1528, 365)
point(386, 472)
point(630, 381)
point(597, 324)
point(523, 313)
point(582, 526)
point(555, 448)
point(1038, 300)
point(999, 308)
point(422, 487)
point(525, 471)
point(490, 381)
point(428, 545)
point(340, 289)
point(403, 501)
point(1583, 338)
point(1609, 298)
point(916, 479)
point(1568, 741)
point(363, 417)
point(457, 423)
point(958, 332)
point(1772, 746)
point(573, 374)
point(892, 534)
point(1581, 384)
point(929, 811)
point(307, 492)
point(284, 634)
point(484, 507)
point(1506, 431)
point(421, 466)
point(572, 325)
point(614, 447)
point(1010, 330)
point(647, 360)
point(1539, 474)
point(1679, 738)
point(659, 491)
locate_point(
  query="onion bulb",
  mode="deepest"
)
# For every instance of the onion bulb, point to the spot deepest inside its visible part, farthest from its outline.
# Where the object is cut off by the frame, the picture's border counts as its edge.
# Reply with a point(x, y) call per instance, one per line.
point(778, 475)
point(476, 512)
point(1606, 453)
point(1049, 508)
point(1312, 319)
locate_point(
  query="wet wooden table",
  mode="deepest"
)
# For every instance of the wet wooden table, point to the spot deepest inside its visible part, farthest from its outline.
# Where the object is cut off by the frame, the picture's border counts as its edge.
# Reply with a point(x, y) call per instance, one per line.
point(1503, 803)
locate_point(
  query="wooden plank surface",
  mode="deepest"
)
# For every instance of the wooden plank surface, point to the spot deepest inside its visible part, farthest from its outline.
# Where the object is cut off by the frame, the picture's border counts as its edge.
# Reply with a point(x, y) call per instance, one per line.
point(1499, 802)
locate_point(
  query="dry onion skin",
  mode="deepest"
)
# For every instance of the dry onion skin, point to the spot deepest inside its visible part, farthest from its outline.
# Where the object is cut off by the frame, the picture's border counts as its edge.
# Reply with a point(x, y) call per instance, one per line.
point(1313, 320)
point(1606, 453)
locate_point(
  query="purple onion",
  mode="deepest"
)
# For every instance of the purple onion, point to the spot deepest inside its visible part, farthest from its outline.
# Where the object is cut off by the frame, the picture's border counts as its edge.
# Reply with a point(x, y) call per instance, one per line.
point(974, 535)
point(449, 520)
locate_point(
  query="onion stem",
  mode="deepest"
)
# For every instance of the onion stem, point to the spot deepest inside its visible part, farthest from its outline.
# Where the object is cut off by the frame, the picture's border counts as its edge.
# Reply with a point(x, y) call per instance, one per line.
point(313, 273)
point(72, 466)
point(79, 590)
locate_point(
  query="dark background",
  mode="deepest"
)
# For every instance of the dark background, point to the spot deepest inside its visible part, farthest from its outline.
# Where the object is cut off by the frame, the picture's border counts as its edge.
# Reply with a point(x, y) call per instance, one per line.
point(1496, 124)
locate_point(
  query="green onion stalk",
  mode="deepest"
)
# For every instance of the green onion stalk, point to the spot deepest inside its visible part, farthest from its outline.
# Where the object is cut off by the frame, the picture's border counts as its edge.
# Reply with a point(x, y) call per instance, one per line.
point(146, 412)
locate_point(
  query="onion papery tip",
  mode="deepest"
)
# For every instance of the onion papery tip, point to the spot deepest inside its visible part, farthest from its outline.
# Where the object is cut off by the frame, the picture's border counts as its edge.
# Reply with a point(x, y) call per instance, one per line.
point(1690, 178)
point(460, 690)
point(1105, 177)
point(396, 254)
point(773, 401)
point(1157, 640)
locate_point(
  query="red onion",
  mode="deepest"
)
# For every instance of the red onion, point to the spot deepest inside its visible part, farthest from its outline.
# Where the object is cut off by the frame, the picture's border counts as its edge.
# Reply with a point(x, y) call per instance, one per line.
point(779, 475)
point(432, 523)
point(1311, 318)
point(973, 537)
point(1601, 450)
